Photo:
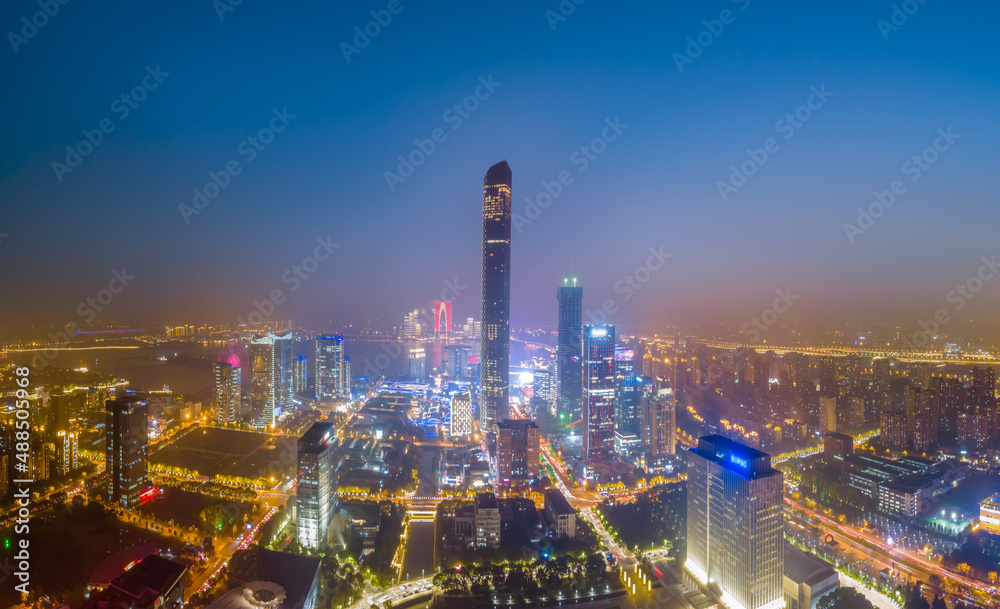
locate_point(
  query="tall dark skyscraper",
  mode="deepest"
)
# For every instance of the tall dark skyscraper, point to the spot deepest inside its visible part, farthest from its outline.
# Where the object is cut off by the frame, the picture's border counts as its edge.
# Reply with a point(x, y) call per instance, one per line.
point(598, 393)
point(735, 523)
point(495, 352)
point(126, 449)
point(569, 383)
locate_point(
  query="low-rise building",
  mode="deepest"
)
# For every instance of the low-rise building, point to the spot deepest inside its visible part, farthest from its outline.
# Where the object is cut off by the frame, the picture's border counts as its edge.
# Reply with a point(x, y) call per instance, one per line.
point(153, 583)
point(271, 580)
point(989, 514)
point(899, 498)
point(487, 520)
point(806, 579)
point(560, 514)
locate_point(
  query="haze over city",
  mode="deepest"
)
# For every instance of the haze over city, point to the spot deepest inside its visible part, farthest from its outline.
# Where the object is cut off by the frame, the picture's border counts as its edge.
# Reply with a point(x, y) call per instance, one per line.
point(557, 82)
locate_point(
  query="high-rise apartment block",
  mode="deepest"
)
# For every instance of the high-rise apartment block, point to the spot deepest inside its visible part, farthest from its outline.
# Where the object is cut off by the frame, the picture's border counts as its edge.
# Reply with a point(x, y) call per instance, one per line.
point(659, 424)
point(333, 378)
point(226, 399)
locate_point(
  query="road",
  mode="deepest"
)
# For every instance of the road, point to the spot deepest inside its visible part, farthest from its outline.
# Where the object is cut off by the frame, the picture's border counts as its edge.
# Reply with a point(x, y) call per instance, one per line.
point(577, 497)
point(202, 581)
point(904, 563)
point(396, 593)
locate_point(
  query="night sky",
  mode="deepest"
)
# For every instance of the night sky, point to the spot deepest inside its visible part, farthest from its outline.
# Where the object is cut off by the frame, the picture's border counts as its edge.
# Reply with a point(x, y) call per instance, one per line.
point(553, 85)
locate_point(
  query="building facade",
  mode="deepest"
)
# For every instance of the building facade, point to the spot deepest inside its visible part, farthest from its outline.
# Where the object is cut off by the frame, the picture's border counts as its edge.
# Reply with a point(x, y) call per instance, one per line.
point(332, 374)
point(494, 372)
point(659, 425)
point(284, 373)
point(517, 452)
point(569, 359)
point(487, 520)
point(226, 397)
point(598, 393)
point(735, 523)
point(628, 393)
point(66, 452)
point(301, 374)
point(315, 485)
point(461, 415)
point(126, 449)
point(262, 381)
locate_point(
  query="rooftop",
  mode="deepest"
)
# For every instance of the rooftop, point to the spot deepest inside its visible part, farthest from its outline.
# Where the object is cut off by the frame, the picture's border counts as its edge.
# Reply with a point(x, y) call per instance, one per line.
point(318, 437)
point(486, 501)
point(141, 586)
point(559, 503)
point(804, 568)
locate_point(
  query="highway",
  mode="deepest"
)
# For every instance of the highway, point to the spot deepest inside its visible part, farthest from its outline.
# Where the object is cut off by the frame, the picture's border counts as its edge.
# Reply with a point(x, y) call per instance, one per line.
point(907, 356)
point(910, 565)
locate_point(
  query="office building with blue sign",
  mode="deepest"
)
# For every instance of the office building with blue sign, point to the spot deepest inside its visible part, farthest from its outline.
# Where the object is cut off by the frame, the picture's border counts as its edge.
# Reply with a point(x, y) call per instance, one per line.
point(734, 523)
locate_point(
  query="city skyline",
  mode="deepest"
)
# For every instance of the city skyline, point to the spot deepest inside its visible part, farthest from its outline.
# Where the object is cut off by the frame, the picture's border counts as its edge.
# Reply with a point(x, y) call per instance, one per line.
point(856, 143)
point(277, 326)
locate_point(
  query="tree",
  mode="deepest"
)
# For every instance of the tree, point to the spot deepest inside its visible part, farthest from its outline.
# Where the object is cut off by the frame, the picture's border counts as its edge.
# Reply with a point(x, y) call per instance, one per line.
point(596, 569)
point(916, 600)
point(844, 598)
point(517, 580)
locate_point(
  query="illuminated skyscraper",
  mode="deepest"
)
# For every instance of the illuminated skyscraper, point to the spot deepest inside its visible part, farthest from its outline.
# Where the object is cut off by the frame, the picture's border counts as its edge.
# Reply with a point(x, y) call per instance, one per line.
point(542, 387)
point(301, 374)
point(315, 485)
point(332, 376)
point(735, 523)
point(262, 381)
point(628, 390)
point(126, 449)
point(495, 351)
point(284, 373)
point(569, 383)
point(272, 377)
point(66, 448)
point(659, 424)
point(598, 393)
point(226, 393)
